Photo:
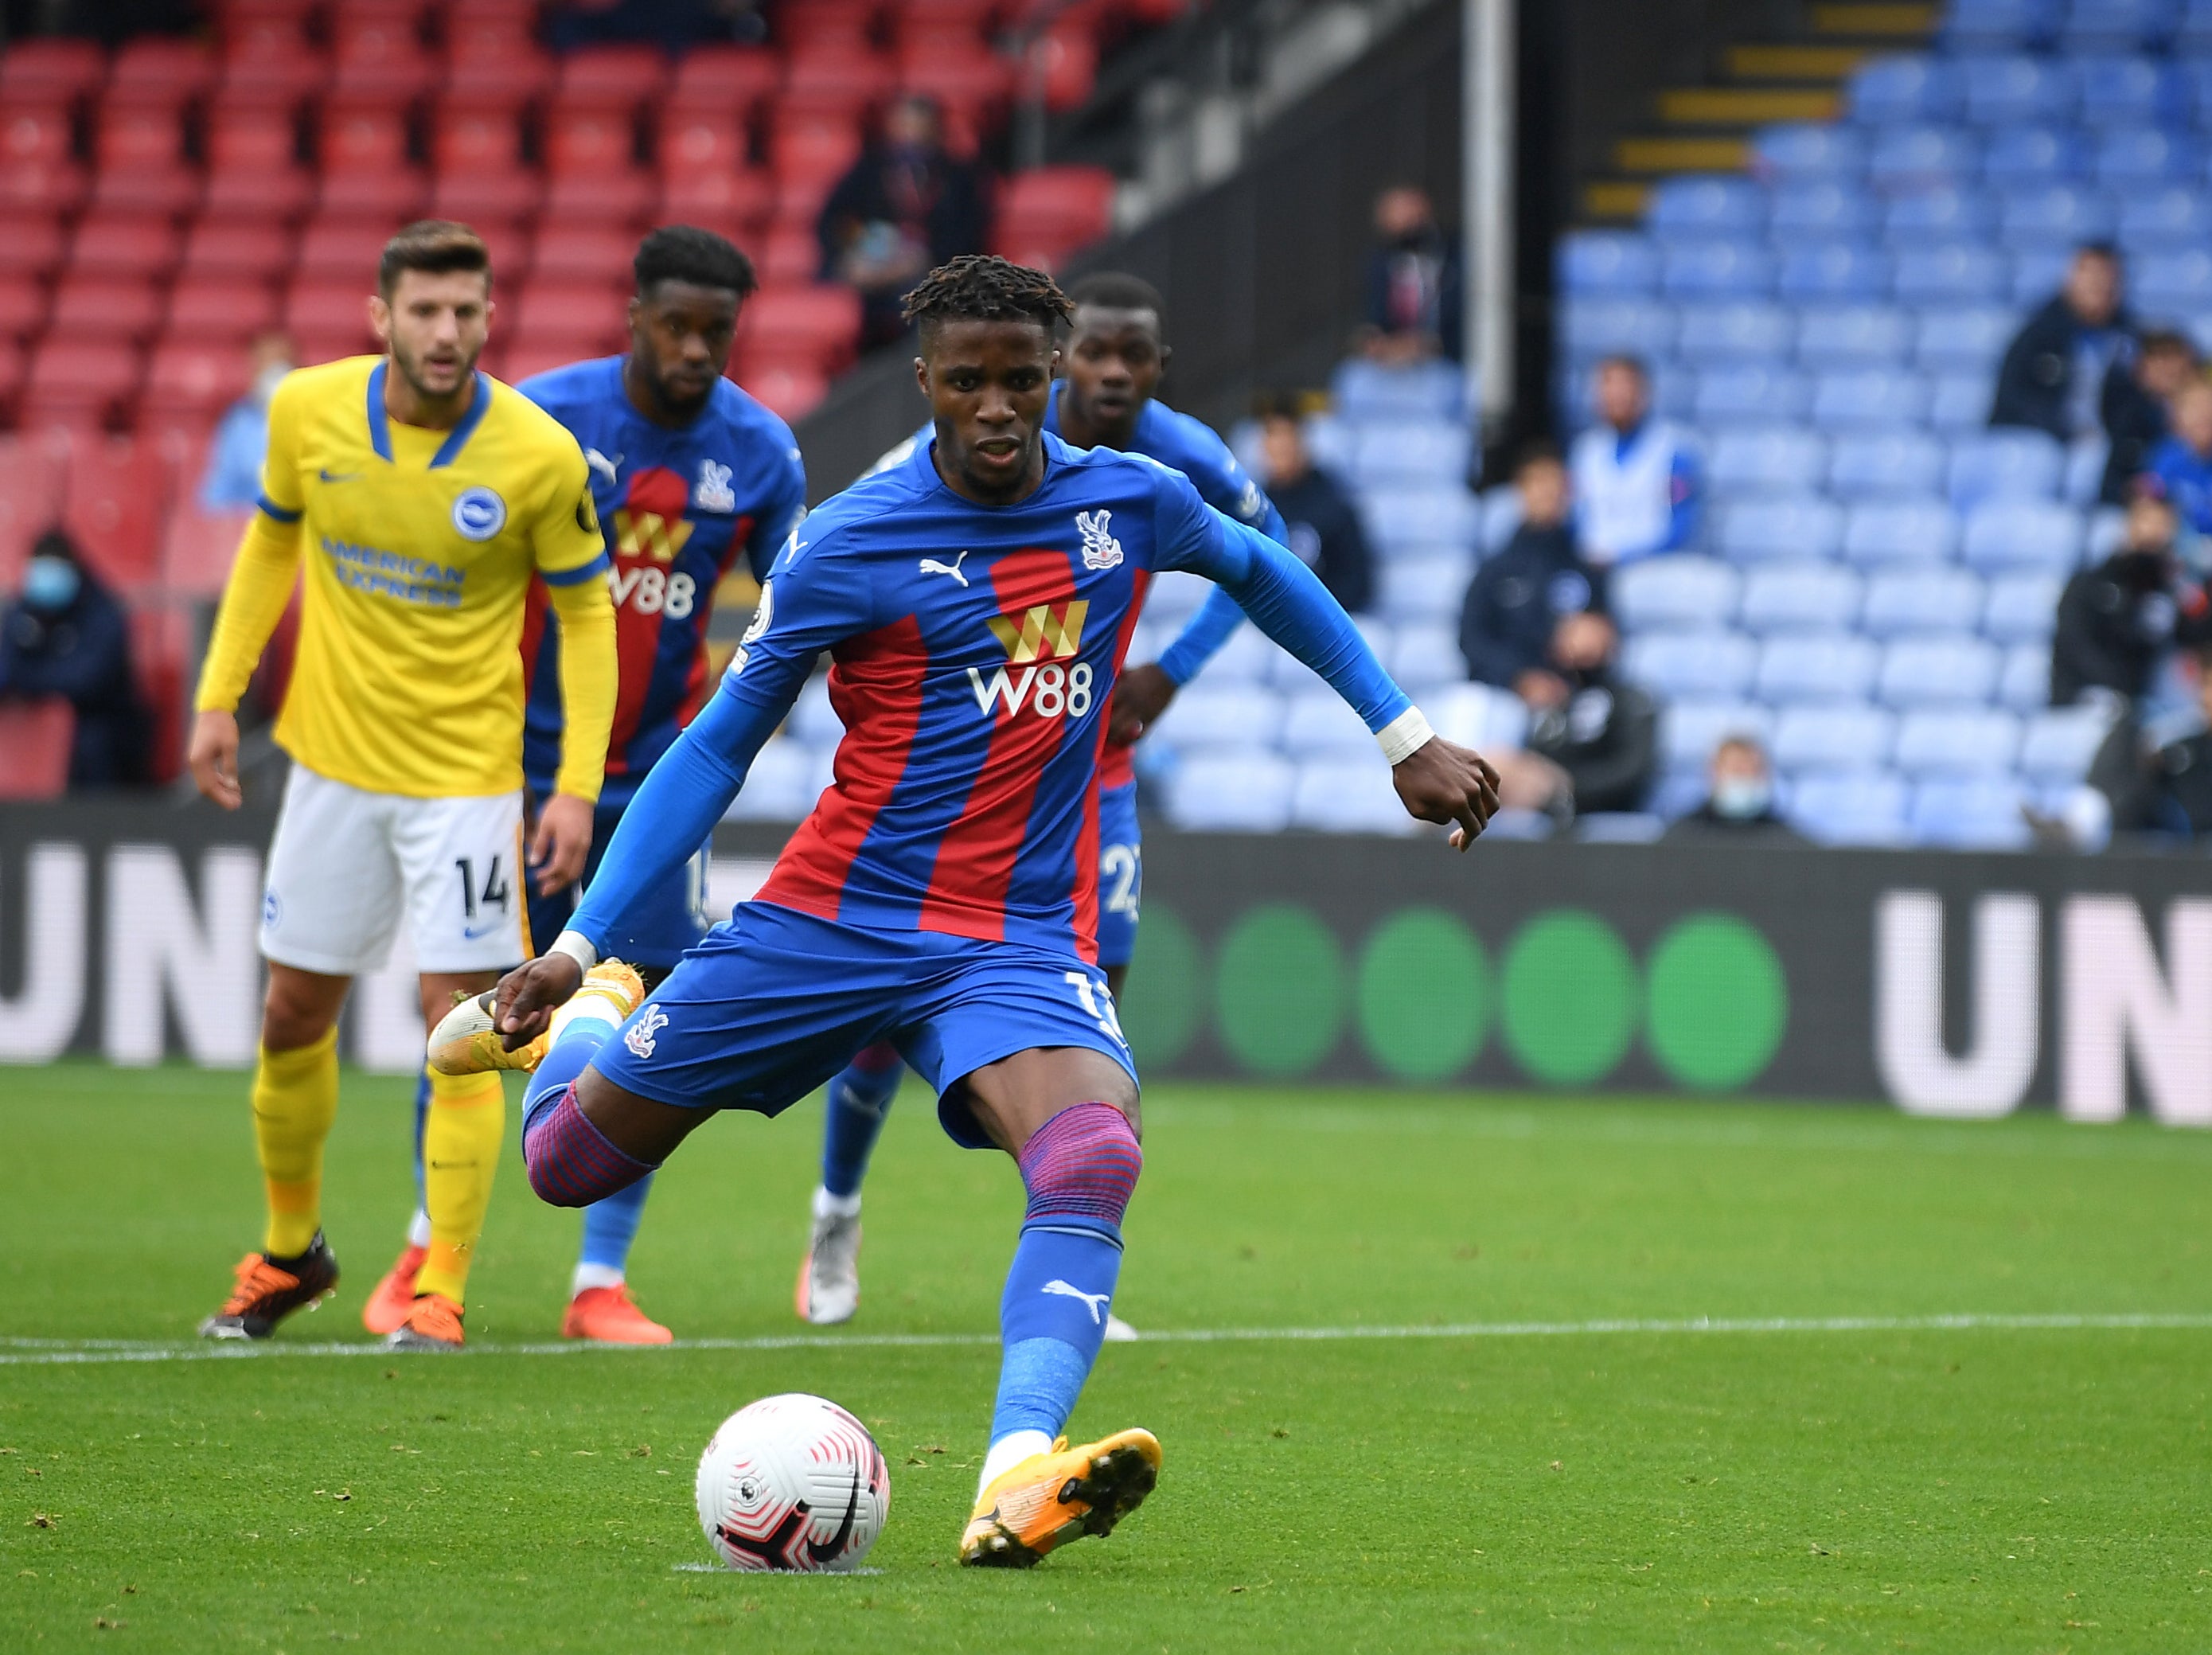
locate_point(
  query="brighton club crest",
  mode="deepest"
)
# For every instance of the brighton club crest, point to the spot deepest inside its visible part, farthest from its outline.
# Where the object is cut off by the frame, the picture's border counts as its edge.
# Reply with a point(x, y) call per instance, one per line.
point(1100, 549)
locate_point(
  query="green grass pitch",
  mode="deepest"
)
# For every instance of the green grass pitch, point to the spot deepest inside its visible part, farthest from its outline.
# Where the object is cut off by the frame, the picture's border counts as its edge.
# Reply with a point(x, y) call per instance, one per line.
point(1983, 1488)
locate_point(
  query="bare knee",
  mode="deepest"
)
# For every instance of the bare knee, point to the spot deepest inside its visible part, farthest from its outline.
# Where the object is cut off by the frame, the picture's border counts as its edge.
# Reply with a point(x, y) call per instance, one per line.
point(300, 1007)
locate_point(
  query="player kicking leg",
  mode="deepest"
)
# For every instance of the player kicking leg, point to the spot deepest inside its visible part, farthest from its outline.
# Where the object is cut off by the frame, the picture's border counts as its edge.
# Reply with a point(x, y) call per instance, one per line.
point(943, 894)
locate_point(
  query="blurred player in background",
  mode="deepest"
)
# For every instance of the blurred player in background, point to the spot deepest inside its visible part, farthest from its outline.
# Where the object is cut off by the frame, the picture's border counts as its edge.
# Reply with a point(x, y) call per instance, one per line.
point(1116, 352)
point(687, 471)
point(426, 499)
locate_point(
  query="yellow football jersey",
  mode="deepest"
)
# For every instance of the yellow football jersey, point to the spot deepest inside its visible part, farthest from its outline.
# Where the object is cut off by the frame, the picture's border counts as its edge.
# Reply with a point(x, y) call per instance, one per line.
point(420, 547)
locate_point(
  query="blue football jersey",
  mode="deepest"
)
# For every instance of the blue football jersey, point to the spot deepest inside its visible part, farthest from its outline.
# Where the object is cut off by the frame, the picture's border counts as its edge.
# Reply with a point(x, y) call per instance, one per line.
point(677, 507)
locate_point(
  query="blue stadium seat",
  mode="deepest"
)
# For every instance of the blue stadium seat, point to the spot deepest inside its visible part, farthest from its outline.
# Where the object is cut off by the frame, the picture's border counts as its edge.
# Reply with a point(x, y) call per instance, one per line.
point(1426, 652)
point(1832, 666)
point(2119, 25)
point(1606, 261)
point(1402, 519)
point(1863, 808)
point(1714, 268)
point(1847, 736)
point(1734, 329)
point(1965, 338)
point(1905, 90)
point(2061, 741)
point(2135, 157)
point(1937, 599)
point(1701, 205)
point(1500, 509)
point(2194, 70)
point(1957, 741)
point(1943, 670)
point(1881, 531)
point(1984, 25)
point(780, 784)
point(1386, 453)
point(2163, 219)
point(2055, 216)
point(1232, 793)
point(1683, 591)
point(2024, 683)
point(2022, 608)
point(1958, 403)
point(1911, 157)
point(1361, 389)
point(1852, 336)
point(2010, 464)
point(1350, 795)
point(1751, 393)
point(2173, 283)
point(1937, 212)
point(1797, 152)
point(1766, 460)
point(1951, 273)
point(2018, 156)
point(1710, 662)
point(1318, 723)
point(813, 721)
point(1799, 598)
point(2012, 87)
point(1174, 594)
point(1245, 659)
point(2038, 271)
point(1886, 465)
point(1677, 791)
point(1821, 207)
point(1423, 588)
point(1832, 269)
point(1674, 390)
point(1784, 527)
point(1222, 715)
point(1970, 813)
point(2022, 534)
point(1868, 399)
point(1478, 716)
point(2193, 35)
point(2128, 89)
point(1690, 730)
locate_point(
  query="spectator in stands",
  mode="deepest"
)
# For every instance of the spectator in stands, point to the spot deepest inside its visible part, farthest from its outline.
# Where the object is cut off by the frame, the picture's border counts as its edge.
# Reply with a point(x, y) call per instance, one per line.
point(1636, 489)
point(906, 206)
point(2160, 789)
point(1593, 747)
point(2181, 466)
point(65, 635)
point(1413, 282)
point(233, 482)
point(1324, 528)
point(2117, 621)
point(1518, 596)
point(674, 26)
point(1740, 807)
point(2054, 370)
point(2137, 407)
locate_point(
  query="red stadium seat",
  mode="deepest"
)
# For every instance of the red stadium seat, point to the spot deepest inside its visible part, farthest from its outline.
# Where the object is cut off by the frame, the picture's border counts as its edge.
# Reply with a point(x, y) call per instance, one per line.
point(256, 196)
point(483, 32)
point(799, 200)
point(274, 76)
point(161, 656)
point(14, 364)
point(360, 134)
point(971, 77)
point(113, 496)
point(189, 377)
point(31, 247)
point(231, 308)
point(35, 735)
point(790, 254)
point(580, 253)
point(329, 320)
point(22, 307)
point(589, 139)
point(614, 200)
point(1071, 66)
point(701, 138)
point(816, 322)
point(200, 546)
point(734, 203)
point(175, 190)
point(343, 250)
point(162, 70)
point(1052, 211)
point(827, 24)
point(613, 77)
point(138, 134)
point(833, 78)
point(251, 135)
point(475, 196)
point(258, 252)
point(791, 391)
point(735, 79)
point(377, 51)
point(473, 136)
point(523, 360)
point(35, 132)
point(95, 308)
point(55, 66)
point(585, 318)
point(489, 53)
point(30, 500)
point(261, 27)
point(386, 195)
point(813, 145)
point(40, 187)
point(507, 241)
point(138, 245)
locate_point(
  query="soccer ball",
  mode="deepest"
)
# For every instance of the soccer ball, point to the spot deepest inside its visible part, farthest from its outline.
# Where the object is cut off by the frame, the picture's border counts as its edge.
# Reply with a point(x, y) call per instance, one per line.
point(792, 1483)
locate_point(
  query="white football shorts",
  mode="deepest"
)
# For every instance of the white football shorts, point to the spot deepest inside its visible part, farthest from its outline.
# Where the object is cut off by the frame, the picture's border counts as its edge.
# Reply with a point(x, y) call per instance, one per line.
point(345, 864)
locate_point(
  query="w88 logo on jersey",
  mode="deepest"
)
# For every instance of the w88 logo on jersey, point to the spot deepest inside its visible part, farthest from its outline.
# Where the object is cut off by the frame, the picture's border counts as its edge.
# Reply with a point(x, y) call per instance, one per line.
point(653, 591)
point(1048, 691)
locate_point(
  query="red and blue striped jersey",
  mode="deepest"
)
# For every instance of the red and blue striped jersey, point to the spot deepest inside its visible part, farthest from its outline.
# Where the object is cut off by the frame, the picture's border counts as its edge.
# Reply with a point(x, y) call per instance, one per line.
point(677, 507)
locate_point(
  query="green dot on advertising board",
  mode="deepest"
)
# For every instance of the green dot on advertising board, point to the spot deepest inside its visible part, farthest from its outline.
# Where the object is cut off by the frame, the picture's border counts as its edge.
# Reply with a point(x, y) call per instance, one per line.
point(1570, 1002)
point(1279, 990)
point(1423, 995)
point(1164, 998)
point(1718, 1002)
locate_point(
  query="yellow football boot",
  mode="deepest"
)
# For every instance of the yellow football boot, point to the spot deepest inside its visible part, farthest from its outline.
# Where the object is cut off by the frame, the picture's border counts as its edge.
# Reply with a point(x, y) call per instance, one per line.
point(467, 1040)
point(1048, 1500)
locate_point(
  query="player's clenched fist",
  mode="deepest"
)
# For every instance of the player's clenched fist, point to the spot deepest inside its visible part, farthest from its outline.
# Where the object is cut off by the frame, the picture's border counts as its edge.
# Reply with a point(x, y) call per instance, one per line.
point(1442, 782)
point(528, 996)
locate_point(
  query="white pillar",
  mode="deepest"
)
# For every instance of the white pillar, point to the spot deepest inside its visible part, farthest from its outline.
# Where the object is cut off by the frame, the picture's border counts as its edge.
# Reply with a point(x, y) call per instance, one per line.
point(1488, 52)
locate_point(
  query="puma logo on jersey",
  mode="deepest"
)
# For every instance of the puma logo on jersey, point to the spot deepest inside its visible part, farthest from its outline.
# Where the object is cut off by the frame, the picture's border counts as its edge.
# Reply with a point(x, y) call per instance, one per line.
point(1094, 1302)
point(932, 566)
point(594, 460)
point(1042, 632)
point(1100, 549)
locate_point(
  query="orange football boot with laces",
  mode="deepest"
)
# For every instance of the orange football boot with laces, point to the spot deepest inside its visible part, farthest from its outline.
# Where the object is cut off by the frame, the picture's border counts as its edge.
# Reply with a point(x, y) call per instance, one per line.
point(611, 1316)
point(267, 1290)
point(388, 1306)
point(1040, 1504)
point(434, 1322)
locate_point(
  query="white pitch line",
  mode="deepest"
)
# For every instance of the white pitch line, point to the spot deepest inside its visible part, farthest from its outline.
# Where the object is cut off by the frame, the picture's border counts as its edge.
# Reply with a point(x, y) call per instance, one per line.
point(43, 1353)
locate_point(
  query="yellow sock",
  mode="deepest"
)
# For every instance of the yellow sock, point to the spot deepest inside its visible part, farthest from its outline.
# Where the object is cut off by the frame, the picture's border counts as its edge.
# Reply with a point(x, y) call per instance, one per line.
point(295, 1098)
point(461, 1141)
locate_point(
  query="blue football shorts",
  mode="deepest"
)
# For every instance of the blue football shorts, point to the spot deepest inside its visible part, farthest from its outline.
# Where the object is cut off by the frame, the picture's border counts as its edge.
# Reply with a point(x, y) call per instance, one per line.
point(664, 923)
point(775, 1002)
point(1121, 873)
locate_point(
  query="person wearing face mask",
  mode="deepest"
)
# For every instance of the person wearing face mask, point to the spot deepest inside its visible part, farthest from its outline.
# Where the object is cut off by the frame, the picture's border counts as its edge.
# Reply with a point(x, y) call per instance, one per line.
point(1413, 282)
point(2053, 372)
point(1741, 806)
point(907, 205)
point(233, 482)
point(2117, 621)
point(1592, 737)
point(66, 635)
point(1513, 606)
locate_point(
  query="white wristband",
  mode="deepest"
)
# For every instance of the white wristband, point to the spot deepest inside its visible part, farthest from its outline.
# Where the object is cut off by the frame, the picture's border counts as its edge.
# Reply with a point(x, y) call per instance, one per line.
point(1404, 736)
point(578, 947)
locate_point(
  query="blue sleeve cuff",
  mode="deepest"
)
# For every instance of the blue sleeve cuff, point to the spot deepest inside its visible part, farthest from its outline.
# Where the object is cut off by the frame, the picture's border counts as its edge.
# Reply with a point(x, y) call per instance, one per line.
point(577, 576)
point(276, 513)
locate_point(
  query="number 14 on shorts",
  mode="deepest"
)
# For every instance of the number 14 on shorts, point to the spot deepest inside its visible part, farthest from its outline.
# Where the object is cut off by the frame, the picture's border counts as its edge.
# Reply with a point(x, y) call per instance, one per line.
point(1098, 1004)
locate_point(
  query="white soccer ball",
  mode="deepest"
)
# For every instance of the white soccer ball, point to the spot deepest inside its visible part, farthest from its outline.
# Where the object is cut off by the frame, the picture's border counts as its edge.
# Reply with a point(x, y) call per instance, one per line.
point(792, 1483)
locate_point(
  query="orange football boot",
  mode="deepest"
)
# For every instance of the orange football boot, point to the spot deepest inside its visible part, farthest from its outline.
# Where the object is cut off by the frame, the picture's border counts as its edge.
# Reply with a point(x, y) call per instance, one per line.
point(611, 1316)
point(434, 1322)
point(388, 1306)
point(1048, 1500)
